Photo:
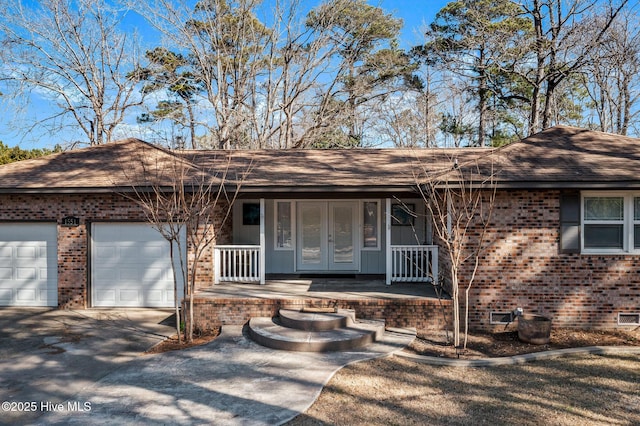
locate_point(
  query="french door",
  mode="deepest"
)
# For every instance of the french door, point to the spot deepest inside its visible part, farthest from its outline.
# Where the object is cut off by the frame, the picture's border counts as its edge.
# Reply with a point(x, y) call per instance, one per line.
point(327, 236)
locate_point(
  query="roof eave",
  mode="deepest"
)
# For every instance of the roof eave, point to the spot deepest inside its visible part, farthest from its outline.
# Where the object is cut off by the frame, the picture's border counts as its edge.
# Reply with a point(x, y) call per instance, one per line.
point(275, 189)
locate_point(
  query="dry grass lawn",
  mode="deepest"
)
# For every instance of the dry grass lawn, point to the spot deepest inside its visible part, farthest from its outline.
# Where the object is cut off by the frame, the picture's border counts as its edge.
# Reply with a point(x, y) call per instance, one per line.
point(576, 390)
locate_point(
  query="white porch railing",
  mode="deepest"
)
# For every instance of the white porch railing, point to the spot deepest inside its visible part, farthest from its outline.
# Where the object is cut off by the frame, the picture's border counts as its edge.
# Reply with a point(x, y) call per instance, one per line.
point(237, 263)
point(414, 263)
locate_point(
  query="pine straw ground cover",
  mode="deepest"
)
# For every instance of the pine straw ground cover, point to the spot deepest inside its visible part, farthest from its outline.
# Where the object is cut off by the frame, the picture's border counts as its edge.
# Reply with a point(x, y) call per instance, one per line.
point(570, 390)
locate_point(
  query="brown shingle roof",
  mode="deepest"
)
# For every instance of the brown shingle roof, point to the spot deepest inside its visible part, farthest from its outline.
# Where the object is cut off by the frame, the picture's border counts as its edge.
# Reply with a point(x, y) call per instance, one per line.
point(567, 156)
point(557, 157)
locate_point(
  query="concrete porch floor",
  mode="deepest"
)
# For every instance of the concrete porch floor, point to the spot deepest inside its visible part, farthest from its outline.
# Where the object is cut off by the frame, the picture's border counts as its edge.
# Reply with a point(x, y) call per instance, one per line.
point(320, 288)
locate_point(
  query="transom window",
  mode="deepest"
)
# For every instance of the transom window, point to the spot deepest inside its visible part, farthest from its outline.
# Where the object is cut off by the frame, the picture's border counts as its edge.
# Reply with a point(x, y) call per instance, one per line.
point(610, 222)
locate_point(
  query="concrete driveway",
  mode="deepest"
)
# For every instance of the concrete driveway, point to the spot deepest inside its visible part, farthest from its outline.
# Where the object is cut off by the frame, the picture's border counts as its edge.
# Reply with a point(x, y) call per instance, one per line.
point(83, 367)
point(48, 356)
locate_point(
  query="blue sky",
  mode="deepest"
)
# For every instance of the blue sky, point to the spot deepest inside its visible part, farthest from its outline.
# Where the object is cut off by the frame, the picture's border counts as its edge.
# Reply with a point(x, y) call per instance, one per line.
point(415, 15)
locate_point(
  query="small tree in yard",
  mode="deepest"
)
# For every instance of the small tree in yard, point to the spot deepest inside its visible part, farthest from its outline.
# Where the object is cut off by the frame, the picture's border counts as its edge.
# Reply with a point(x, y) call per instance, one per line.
point(180, 196)
point(460, 200)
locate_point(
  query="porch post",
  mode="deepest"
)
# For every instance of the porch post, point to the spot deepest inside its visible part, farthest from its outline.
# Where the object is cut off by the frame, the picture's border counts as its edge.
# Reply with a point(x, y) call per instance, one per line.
point(387, 243)
point(216, 265)
point(263, 245)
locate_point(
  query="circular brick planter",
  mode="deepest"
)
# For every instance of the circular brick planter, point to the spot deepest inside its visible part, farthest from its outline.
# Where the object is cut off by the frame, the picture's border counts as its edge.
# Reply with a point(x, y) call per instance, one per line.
point(534, 329)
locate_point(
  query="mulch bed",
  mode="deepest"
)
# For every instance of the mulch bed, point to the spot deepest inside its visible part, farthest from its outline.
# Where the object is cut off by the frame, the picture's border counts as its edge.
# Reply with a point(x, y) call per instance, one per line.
point(172, 344)
point(488, 345)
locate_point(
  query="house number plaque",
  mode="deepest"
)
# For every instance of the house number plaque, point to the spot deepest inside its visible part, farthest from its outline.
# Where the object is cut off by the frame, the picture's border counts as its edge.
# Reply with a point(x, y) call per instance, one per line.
point(71, 221)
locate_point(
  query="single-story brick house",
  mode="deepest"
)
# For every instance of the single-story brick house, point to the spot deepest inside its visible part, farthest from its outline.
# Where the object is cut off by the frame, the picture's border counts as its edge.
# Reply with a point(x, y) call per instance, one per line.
point(564, 239)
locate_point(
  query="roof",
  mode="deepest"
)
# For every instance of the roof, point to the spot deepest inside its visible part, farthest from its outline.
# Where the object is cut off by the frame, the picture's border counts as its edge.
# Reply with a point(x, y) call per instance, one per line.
point(559, 157)
point(563, 157)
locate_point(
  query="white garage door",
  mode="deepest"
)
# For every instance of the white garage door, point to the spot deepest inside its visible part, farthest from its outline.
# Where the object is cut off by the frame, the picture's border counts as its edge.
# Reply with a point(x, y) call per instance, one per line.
point(28, 264)
point(131, 266)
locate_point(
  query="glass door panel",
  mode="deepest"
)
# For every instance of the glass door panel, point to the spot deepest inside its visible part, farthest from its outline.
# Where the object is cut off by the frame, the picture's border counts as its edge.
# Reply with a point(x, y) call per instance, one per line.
point(312, 236)
point(343, 235)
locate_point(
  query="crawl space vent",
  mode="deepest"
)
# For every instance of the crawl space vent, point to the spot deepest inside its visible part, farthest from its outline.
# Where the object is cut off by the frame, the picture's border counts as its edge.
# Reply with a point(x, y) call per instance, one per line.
point(501, 317)
point(628, 319)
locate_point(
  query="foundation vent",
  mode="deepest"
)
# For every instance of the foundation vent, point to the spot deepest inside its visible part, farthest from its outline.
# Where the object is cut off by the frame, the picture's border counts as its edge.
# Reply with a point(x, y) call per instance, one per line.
point(501, 317)
point(628, 319)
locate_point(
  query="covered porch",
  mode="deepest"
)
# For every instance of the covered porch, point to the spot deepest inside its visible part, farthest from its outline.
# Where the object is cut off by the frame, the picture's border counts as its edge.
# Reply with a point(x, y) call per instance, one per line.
point(359, 236)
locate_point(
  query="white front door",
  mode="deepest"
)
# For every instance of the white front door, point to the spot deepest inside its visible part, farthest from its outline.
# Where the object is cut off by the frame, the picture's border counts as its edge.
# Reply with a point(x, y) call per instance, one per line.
point(328, 236)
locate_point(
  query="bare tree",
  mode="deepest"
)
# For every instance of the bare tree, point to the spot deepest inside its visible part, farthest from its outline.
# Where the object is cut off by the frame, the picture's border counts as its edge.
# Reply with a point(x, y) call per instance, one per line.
point(460, 199)
point(73, 55)
point(562, 47)
point(184, 193)
point(611, 79)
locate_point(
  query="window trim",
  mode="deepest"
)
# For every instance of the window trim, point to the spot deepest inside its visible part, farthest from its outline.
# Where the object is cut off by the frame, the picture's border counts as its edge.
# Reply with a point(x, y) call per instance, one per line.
point(628, 221)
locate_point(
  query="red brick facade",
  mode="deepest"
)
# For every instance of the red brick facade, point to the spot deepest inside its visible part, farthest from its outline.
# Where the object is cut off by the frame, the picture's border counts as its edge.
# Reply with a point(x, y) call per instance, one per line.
point(522, 267)
point(73, 242)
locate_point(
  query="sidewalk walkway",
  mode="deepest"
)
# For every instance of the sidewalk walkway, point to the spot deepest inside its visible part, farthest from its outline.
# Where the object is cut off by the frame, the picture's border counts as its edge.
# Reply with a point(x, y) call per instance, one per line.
point(230, 381)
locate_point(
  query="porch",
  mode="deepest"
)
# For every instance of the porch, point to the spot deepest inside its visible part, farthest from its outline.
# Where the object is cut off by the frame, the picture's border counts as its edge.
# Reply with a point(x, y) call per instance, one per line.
point(401, 305)
point(386, 237)
point(318, 289)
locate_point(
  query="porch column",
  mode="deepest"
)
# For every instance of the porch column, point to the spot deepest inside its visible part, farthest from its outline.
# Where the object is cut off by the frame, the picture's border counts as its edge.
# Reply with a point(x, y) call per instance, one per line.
point(263, 245)
point(387, 243)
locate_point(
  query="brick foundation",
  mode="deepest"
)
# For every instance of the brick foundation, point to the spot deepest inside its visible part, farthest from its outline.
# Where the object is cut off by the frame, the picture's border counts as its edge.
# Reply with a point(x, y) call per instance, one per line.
point(423, 314)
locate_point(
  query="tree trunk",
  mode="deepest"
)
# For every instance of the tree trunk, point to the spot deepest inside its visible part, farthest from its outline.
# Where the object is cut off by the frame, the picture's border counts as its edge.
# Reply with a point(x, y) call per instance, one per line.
point(455, 296)
point(175, 293)
point(534, 114)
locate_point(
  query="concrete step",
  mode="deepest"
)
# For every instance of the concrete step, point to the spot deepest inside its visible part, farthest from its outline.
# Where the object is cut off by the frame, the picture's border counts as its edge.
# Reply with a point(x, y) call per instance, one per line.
point(271, 333)
point(316, 320)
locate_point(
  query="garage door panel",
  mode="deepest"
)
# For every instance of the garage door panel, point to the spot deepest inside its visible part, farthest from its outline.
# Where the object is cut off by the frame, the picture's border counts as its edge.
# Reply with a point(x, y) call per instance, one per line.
point(104, 295)
point(156, 296)
point(6, 273)
point(28, 264)
point(6, 296)
point(154, 274)
point(128, 274)
point(27, 252)
point(26, 295)
point(128, 296)
point(104, 274)
point(104, 252)
point(134, 271)
point(26, 274)
point(6, 252)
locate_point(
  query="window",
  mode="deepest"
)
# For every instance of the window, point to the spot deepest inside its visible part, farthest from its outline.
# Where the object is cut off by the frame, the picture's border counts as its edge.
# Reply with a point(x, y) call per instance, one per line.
point(370, 225)
point(611, 223)
point(284, 225)
point(250, 214)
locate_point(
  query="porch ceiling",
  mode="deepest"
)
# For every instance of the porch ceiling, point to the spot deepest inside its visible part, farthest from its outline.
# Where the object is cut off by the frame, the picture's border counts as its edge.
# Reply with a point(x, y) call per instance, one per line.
point(319, 288)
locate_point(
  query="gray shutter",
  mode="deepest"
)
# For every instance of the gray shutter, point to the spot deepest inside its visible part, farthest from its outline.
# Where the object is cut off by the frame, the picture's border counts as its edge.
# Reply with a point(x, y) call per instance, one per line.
point(570, 222)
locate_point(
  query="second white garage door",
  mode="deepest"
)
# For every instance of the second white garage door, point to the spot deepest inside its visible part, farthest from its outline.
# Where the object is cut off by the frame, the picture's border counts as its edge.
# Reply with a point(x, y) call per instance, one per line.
point(131, 267)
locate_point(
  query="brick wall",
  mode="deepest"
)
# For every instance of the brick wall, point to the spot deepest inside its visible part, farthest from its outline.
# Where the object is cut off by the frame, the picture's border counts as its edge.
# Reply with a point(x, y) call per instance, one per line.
point(73, 256)
point(423, 314)
point(521, 267)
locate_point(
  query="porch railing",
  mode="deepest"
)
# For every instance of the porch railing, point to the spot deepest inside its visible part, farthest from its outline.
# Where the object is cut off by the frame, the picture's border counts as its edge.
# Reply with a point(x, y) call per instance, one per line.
point(237, 263)
point(414, 263)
